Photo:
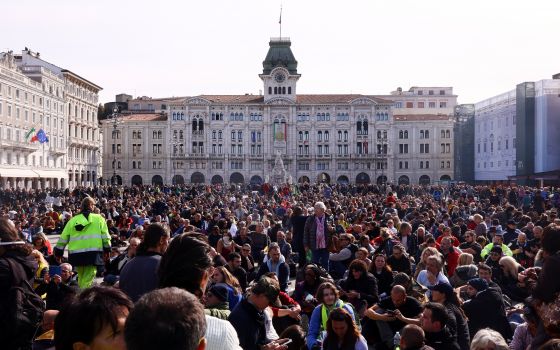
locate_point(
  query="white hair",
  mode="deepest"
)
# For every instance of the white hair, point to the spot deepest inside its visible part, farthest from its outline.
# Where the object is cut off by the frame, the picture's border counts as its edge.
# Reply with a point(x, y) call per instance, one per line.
point(488, 338)
point(320, 205)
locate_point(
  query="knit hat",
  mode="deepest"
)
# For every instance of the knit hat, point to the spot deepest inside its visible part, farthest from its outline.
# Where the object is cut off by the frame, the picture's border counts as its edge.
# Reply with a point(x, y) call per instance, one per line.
point(220, 291)
point(497, 249)
point(478, 283)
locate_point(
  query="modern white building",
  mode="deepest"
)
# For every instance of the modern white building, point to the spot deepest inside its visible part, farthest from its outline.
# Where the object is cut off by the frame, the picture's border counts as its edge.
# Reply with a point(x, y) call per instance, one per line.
point(495, 137)
point(516, 133)
point(35, 95)
point(346, 138)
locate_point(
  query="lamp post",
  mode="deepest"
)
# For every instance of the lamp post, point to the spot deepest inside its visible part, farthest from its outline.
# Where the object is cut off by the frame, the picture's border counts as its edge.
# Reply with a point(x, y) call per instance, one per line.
point(174, 146)
point(114, 116)
point(383, 152)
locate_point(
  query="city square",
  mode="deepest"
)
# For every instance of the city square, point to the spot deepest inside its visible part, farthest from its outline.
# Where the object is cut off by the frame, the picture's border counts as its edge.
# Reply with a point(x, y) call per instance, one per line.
point(379, 179)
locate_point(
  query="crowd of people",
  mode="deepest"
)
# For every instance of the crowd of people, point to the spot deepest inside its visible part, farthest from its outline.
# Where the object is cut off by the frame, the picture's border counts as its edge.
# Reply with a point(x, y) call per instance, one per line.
point(320, 266)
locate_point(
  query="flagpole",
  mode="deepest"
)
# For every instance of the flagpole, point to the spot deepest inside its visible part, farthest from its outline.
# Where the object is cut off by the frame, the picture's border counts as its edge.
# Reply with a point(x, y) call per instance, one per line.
point(280, 22)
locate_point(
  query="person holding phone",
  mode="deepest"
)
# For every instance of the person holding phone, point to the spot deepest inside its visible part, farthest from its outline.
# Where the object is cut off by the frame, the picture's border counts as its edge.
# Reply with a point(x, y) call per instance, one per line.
point(58, 285)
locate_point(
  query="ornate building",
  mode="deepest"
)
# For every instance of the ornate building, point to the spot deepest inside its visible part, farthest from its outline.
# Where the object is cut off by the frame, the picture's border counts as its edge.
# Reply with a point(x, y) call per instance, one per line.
point(38, 95)
point(235, 138)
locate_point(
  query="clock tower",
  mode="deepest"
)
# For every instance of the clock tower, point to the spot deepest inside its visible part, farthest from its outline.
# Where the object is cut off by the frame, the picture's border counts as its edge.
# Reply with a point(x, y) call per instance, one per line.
point(280, 74)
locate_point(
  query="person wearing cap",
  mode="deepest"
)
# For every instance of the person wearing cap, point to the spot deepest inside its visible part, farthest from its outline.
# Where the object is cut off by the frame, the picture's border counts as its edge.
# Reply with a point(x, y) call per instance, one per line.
point(88, 241)
point(444, 294)
point(498, 240)
point(485, 309)
point(216, 302)
point(511, 232)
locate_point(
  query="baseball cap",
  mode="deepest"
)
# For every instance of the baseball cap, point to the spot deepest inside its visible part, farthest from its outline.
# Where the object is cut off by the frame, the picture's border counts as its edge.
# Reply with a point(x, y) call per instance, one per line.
point(220, 291)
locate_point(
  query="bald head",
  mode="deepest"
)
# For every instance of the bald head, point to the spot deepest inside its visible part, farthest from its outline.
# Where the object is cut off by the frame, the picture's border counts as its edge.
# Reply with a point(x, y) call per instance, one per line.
point(412, 337)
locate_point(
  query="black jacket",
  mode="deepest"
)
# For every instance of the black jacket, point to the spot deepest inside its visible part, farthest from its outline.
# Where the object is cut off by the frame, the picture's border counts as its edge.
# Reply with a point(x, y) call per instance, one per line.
point(442, 340)
point(487, 309)
point(57, 294)
point(249, 324)
point(366, 286)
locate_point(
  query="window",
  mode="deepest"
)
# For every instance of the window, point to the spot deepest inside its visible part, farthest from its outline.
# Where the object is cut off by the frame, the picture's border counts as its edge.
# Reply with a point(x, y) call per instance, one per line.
point(420, 92)
point(442, 92)
point(420, 104)
point(424, 148)
point(430, 92)
point(409, 105)
point(443, 104)
point(431, 105)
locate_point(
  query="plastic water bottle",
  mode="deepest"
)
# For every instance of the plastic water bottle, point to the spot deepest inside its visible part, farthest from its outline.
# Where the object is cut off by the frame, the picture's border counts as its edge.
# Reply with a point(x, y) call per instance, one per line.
point(397, 341)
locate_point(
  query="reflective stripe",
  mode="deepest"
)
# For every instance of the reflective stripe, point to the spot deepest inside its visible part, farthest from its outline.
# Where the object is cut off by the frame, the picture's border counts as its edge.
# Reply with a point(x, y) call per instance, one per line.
point(62, 241)
point(84, 250)
point(82, 238)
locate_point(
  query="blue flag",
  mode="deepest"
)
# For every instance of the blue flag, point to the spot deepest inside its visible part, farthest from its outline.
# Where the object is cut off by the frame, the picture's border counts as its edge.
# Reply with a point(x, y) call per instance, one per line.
point(41, 136)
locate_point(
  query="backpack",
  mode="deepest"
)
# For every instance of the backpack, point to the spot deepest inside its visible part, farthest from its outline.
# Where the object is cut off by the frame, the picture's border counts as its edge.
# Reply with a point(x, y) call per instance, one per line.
point(24, 308)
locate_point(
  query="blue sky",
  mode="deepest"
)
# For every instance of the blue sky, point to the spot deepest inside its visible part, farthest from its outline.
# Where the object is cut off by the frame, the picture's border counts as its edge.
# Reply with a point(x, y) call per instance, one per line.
point(179, 48)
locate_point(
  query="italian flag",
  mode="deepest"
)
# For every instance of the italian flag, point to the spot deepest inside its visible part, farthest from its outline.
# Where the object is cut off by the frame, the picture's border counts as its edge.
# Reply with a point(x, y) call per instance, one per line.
point(29, 134)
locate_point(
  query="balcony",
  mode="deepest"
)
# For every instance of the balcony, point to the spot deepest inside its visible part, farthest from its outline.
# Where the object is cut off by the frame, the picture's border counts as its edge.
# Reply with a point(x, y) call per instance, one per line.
point(303, 156)
point(256, 156)
point(198, 134)
point(343, 156)
point(236, 156)
point(364, 155)
point(20, 146)
point(324, 156)
point(198, 156)
point(179, 155)
point(58, 151)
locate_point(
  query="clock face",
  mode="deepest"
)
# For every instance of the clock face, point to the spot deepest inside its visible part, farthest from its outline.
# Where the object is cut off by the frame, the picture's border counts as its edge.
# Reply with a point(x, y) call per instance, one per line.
point(279, 77)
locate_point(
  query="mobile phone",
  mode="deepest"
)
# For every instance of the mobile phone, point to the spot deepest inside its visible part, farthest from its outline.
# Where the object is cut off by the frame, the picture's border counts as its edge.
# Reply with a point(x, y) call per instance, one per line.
point(55, 270)
point(287, 342)
point(390, 312)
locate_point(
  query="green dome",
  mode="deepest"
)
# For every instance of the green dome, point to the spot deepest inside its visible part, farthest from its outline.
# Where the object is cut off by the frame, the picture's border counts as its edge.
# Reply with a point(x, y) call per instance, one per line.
point(280, 55)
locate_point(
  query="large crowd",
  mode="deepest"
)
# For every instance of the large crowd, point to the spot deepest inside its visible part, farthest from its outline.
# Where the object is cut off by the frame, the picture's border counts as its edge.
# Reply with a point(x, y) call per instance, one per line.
point(450, 267)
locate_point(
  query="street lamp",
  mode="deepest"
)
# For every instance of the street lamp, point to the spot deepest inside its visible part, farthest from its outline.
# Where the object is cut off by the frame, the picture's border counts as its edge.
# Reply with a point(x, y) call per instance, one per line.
point(175, 145)
point(382, 151)
point(115, 116)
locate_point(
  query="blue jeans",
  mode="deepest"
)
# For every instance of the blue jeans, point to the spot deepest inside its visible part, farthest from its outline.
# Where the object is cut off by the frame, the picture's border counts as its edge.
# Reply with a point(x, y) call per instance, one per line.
point(320, 257)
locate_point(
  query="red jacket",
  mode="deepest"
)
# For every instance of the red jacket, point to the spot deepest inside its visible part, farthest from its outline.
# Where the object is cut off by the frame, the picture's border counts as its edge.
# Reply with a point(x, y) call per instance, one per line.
point(285, 300)
point(451, 260)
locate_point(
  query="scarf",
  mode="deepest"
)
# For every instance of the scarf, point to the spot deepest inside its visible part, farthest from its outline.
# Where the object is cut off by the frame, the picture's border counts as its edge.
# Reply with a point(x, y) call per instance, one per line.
point(321, 241)
point(325, 310)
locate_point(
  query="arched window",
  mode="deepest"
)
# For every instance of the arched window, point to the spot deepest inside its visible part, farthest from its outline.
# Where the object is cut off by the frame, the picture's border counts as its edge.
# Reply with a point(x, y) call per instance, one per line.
point(133, 165)
point(339, 135)
point(289, 90)
point(270, 90)
point(300, 135)
point(401, 134)
point(365, 127)
point(447, 134)
point(319, 136)
point(200, 125)
point(359, 127)
point(180, 134)
point(406, 134)
point(326, 135)
point(276, 90)
point(427, 134)
point(421, 134)
point(283, 90)
point(194, 125)
point(443, 134)
point(182, 116)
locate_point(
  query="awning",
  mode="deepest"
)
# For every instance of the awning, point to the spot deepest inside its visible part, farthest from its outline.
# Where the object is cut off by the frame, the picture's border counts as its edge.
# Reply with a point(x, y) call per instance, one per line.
point(23, 173)
point(53, 174)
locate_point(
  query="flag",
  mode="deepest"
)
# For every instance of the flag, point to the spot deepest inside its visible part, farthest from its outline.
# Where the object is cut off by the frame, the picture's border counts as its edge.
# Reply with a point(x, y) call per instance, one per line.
point(34, 138)
point(29, 134)
point(280, 20)
point(41, 136)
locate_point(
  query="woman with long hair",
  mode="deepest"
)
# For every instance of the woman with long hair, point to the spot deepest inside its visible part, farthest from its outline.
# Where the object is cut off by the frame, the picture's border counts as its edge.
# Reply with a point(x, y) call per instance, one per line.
point(509, 279)
point(306, 289)
point(342, 332)
point(15, 258)
point(444, 294)
point(226, 245)
point(466, 269)
point(428, 251)
point(42, 268)
point(383, 273)
point(222, 276)
point(360, 287)
point(328, 296)
point(42, 244)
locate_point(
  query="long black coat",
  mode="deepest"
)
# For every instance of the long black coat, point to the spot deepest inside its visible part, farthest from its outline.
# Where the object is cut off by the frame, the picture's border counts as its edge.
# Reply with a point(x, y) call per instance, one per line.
point(487, 309)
